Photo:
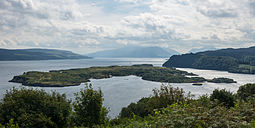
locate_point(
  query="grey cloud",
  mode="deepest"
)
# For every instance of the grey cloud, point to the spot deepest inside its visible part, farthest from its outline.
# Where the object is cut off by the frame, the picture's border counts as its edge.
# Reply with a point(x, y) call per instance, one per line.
point(218, 13)
point(252, 7)
point(66, 15)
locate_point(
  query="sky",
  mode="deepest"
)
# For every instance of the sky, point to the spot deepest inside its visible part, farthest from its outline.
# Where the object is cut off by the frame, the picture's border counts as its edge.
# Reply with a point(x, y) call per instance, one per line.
point(85, 26)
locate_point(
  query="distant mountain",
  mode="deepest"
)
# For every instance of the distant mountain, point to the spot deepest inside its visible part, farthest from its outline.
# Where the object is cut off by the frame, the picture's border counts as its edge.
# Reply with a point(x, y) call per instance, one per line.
point(135, 52)
point(37, 54)
point(205, 48)
point(240, 60)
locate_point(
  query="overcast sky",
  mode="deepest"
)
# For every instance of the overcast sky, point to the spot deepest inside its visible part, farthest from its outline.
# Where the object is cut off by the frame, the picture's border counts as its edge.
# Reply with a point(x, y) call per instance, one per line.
point(85, 26)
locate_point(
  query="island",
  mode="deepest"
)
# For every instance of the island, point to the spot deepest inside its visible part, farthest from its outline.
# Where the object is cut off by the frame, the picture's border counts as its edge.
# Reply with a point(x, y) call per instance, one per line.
point(221, 80)
point(74, 77)
point(241, 60)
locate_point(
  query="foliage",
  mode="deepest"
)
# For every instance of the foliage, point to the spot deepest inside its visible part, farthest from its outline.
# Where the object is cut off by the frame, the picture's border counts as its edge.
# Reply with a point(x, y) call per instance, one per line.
point(246, 92)
point(34, 108)
point(88, 108)
point(196, 114)
point(74, 77)
point(161, 98)
point(215, 63)
point(223, 97)
point(167, 107)
point(10, 124)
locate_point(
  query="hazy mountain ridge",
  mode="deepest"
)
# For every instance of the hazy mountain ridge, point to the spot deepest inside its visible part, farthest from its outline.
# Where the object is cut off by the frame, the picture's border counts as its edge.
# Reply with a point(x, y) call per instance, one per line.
point(135, 52)
point(37, 54)
point(205, 48)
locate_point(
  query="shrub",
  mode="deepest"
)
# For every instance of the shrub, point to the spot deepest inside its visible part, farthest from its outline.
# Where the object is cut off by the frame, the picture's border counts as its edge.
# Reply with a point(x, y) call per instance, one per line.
point(161, 98)
point(246, 92)
point(88, 107)
point(34, 108)
point(223, 97)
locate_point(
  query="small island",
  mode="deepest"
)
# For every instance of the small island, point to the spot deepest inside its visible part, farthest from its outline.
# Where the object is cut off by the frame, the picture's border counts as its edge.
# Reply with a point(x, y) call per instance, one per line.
point(74, 77)
point(221, 80)
point(197, 84)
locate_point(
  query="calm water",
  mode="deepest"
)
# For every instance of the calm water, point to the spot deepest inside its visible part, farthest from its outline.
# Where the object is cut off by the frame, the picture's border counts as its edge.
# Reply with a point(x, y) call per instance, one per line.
point(118, 91)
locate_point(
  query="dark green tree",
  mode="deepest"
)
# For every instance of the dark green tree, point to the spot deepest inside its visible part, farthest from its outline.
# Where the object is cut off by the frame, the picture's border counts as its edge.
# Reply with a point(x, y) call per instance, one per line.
point(88, 107)
point(223, 97)
point(246, 92)
point(161, 98)
point(30, 108)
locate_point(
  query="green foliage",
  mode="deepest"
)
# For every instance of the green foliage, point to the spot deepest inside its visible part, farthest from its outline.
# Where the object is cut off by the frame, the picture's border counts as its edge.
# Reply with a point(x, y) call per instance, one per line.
point(167, 107)
point(161, 98)
point(223, 97)
point(246, 92)
point(215, 63)
point(243, 68)
point(88, 109)
point(197, 114)
point(34, 108)
point(252, 125)
point(74, 77)
point(10, 124)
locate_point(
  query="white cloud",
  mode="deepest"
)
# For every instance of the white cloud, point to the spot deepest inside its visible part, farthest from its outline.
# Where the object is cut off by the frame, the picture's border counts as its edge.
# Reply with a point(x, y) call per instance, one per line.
point(77, 24)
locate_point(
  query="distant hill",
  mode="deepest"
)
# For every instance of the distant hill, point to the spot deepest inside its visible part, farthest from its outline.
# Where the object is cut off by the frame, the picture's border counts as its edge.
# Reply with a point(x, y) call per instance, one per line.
point(37, 54)
point(205, 48)
point(240, 60)
point(135, 52)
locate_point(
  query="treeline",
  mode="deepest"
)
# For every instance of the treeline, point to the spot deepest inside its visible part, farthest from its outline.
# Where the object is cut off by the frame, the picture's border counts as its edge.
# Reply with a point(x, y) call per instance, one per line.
point(32, 108)
point(173, 108)
point(233, 60)
point(167, 107)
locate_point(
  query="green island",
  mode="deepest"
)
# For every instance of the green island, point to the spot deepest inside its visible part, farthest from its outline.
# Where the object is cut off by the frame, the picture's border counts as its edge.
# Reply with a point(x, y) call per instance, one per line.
point(74, 77)
point(221, 80)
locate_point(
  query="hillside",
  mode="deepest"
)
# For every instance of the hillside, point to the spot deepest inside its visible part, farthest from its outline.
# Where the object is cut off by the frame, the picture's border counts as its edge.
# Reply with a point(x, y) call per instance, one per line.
point(135, 52)
point(37, 54)
point(240, 60)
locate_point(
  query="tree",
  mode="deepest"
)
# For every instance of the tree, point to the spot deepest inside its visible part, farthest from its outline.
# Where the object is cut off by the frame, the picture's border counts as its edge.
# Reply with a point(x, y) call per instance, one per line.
point(88, 107)
point(35, 108)
point(163, 97)
point(223, 97)
point(246, 92)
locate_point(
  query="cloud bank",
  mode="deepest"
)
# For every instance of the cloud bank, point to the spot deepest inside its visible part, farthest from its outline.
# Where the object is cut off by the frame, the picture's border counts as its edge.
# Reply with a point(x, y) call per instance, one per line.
point(88, 26)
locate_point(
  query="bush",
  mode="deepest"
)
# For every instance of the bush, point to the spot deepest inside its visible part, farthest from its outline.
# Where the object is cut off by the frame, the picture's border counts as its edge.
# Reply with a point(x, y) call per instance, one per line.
point(223, 97)
point(35, 108)
point(88, 108)
point(161, 98)
point(196, 114)
point(246, 92)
